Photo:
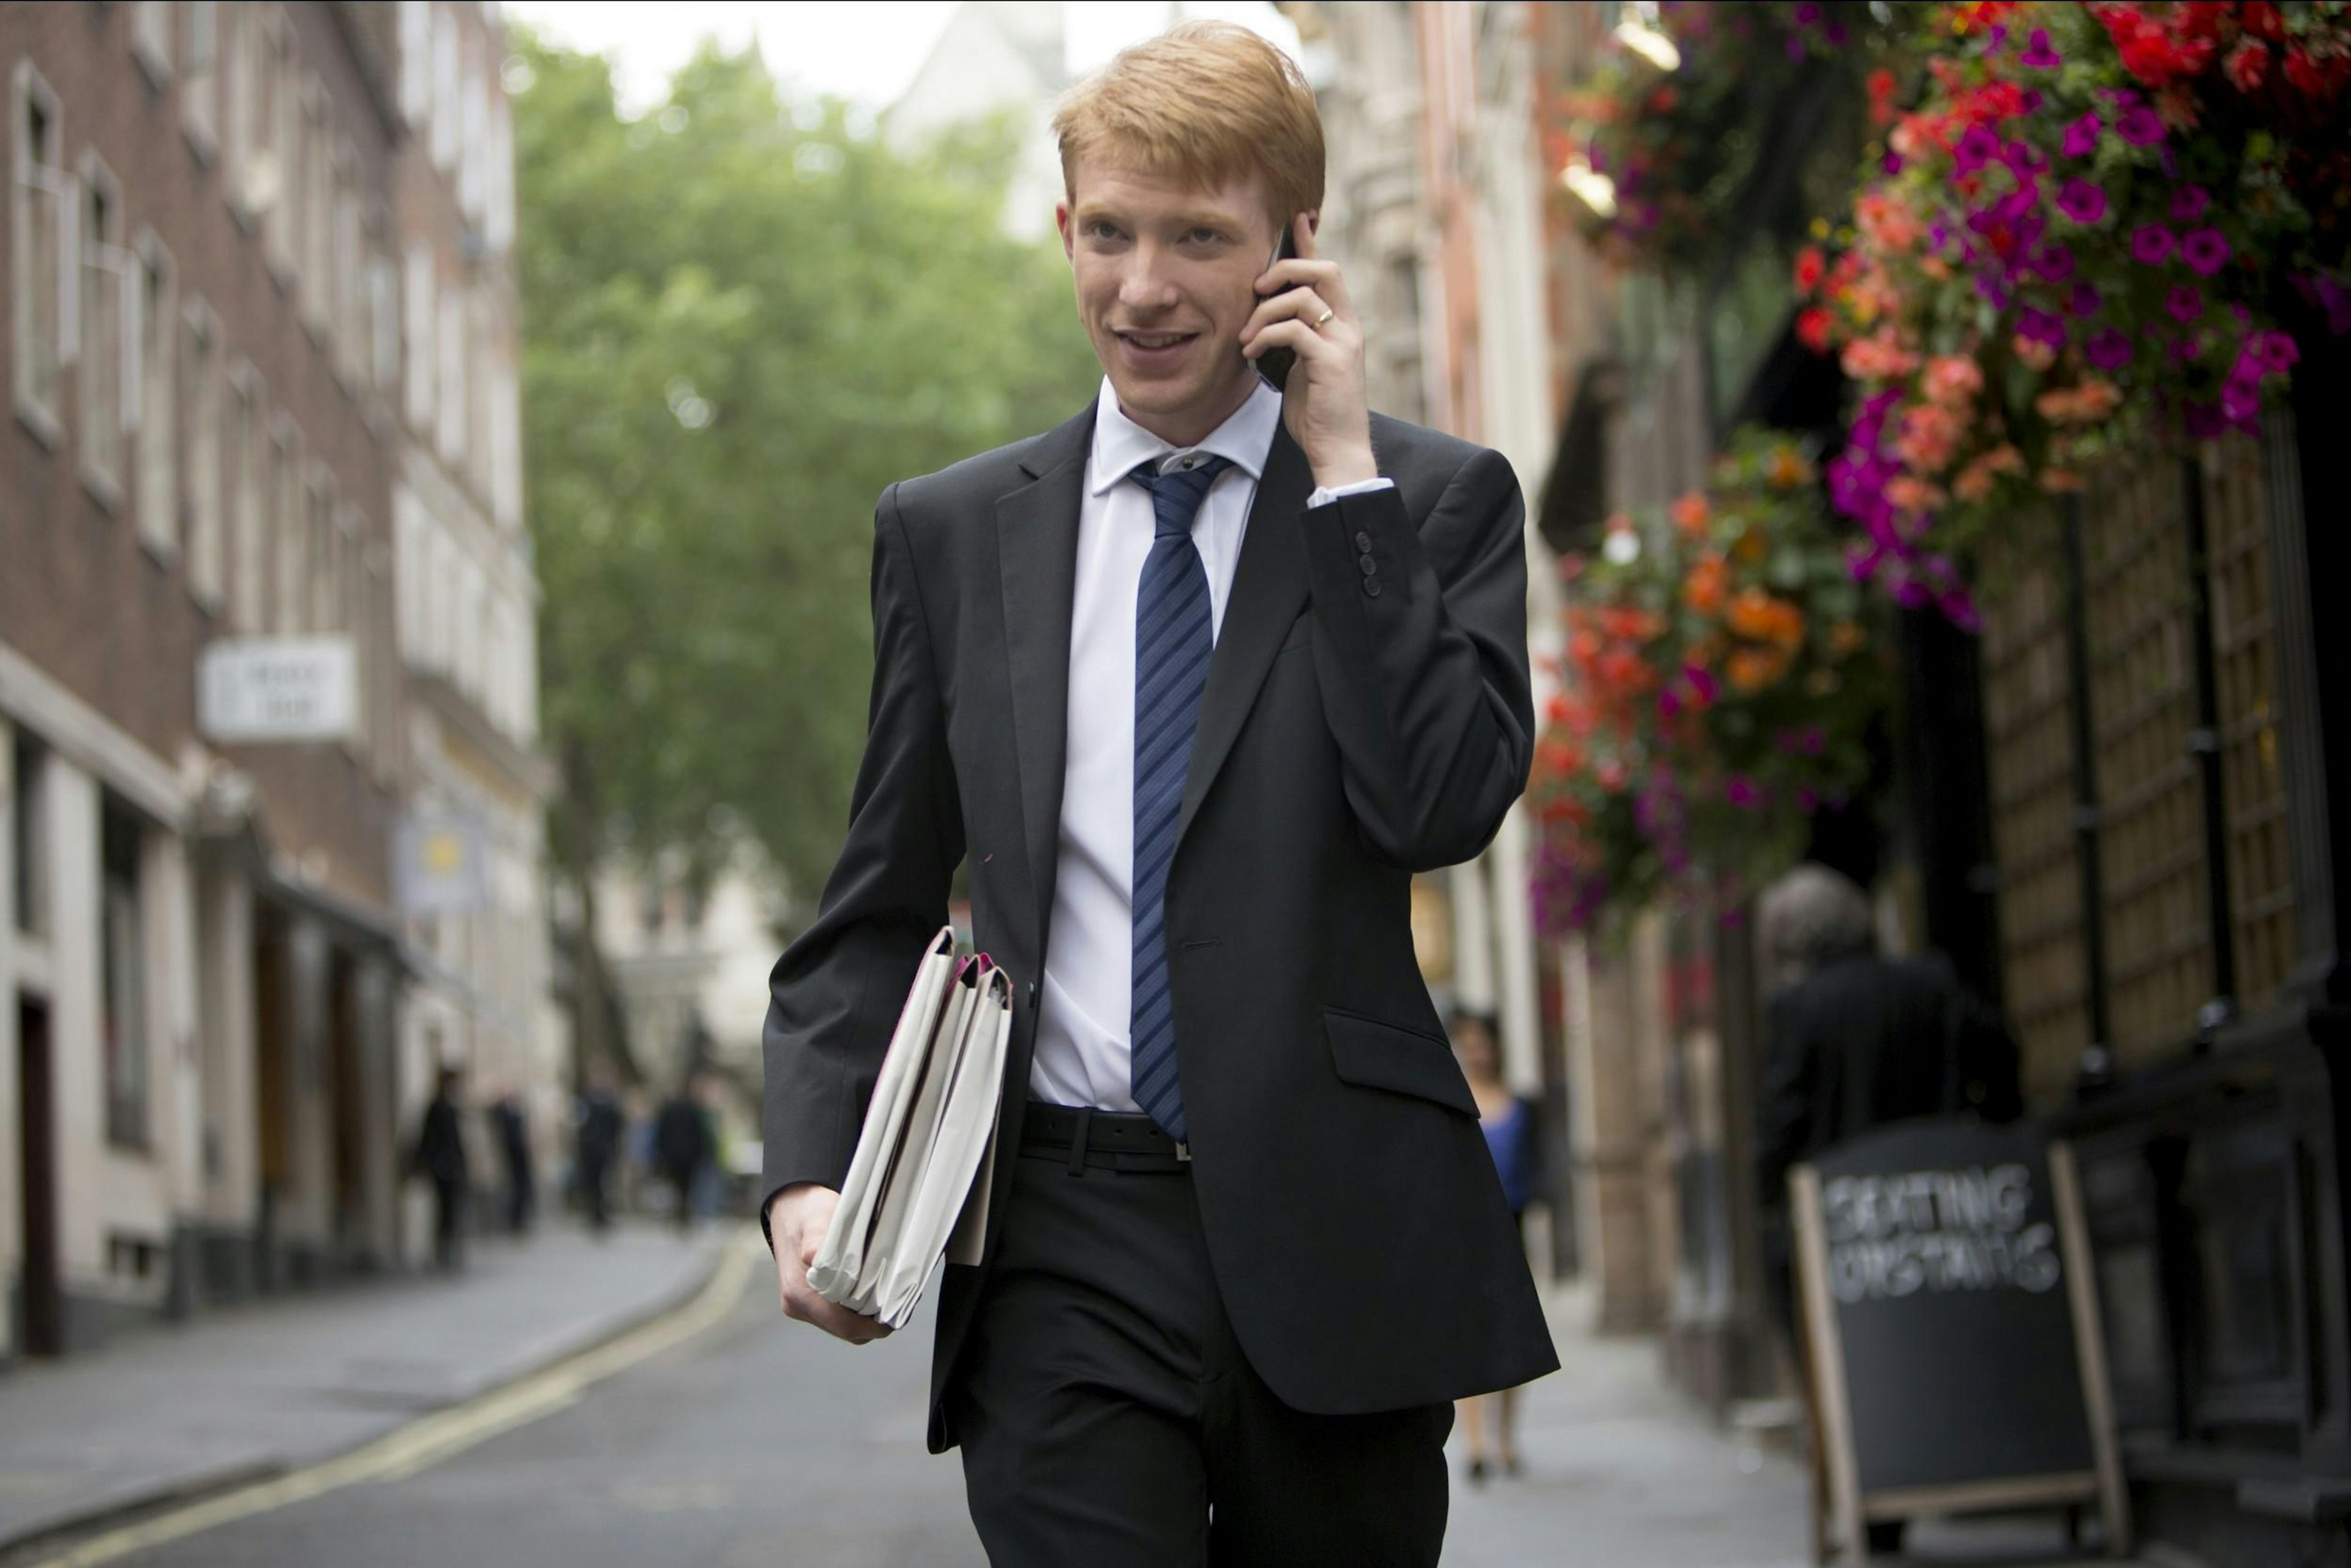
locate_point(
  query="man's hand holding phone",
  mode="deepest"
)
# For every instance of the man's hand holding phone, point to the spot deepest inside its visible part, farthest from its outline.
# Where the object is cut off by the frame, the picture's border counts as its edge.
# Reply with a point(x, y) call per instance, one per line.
point(1323, 400)
point(797, 1218)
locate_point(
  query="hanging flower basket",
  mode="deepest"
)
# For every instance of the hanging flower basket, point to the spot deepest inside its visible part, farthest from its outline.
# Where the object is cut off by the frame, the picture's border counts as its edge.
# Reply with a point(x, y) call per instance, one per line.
point(1720, 683)
point(2075, 245)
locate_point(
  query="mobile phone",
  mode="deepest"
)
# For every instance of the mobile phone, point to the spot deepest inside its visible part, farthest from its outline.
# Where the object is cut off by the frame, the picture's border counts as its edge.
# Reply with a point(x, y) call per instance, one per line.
point(1274, 363)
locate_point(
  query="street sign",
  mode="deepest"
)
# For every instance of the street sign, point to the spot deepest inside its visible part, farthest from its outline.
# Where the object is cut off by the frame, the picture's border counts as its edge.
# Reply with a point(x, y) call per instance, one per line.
point(1952, 1328)
point(441, 862)
point(263, 689)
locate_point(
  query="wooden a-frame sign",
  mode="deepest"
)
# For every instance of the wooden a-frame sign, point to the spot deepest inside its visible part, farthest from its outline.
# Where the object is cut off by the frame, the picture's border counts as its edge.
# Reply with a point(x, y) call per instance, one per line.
point(1951, 1324)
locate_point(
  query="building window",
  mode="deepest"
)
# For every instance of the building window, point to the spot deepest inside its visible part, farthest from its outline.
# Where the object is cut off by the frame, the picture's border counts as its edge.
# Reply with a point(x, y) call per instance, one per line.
point(444, 89)
point(479, 448)
point(351, 341)
point(245, 134)
point(422, 317)
point(199, 73)
point(505, 448)
point(415, 59)
point(501, 155)
point(123, 962)
point(247, 500)
point(43, 206)
point(27, 767)
point(280, 195)
point(383, 321)
point(326, 607)
point(107, 275)
point(157, 408)
point(449, 429)
point(201, 369)
point(474, 142)
point(289, 530)
point(356, 618)
point(151, 39)
point(317, 213)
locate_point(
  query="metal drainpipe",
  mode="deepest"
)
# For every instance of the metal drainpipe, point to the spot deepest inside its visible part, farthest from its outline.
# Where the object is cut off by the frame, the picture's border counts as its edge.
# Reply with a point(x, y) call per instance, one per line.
point(2204, 745)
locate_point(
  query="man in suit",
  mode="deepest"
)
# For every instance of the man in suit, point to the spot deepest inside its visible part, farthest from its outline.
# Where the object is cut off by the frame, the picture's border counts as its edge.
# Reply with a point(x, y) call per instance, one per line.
point(1193, 684)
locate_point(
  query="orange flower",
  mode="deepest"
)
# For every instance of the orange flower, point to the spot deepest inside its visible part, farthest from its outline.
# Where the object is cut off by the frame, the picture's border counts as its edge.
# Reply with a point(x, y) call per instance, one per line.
point(2033, 354)
point(1786, 468)
point(1690, 514)
point(1752, 669)
point(1953, 380)
point(2060, 481)
point(1702, 590)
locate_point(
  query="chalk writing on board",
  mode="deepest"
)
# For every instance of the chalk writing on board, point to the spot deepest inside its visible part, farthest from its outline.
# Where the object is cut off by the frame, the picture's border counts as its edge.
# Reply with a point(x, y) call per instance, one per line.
point(1939, 1231)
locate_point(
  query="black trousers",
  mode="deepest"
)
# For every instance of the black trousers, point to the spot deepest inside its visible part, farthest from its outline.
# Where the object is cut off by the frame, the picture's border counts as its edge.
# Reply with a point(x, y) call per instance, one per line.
point(1108, 1418)
point(449, 1221)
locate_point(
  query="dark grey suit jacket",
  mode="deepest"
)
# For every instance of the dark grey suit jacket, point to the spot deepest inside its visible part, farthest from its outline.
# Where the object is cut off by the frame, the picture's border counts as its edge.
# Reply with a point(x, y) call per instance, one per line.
point(1367, 716)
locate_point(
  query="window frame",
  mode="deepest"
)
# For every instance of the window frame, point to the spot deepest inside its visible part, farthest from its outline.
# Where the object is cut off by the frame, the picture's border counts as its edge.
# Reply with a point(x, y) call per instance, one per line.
point(126, 1046)
point(203, 501)
point(108, 257)
point(245, 507)
point(43, 415)
point(200, 78)
point(154, 401)
point(151, 41)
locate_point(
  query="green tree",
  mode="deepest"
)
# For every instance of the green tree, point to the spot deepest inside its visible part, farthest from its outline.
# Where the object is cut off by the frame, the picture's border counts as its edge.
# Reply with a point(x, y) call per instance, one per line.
point(743, 317)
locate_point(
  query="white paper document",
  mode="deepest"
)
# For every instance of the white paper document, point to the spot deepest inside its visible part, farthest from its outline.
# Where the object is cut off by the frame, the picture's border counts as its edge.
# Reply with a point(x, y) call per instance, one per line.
point(928, 1146)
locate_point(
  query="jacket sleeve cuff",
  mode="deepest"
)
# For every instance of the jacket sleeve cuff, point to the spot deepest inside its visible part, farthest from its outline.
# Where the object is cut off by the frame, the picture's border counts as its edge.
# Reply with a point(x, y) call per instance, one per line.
point(1324, 494)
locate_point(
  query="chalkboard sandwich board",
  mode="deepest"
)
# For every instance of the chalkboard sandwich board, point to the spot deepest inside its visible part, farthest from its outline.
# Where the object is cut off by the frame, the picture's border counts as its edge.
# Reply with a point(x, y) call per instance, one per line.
point(1951, 1326)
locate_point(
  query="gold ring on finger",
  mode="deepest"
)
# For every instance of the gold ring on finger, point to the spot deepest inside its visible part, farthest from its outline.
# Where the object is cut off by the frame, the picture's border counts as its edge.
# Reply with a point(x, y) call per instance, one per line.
point(1325, 316)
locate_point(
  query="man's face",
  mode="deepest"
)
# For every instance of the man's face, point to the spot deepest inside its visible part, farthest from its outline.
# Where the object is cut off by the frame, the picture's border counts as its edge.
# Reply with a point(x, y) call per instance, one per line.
point(1164, 274)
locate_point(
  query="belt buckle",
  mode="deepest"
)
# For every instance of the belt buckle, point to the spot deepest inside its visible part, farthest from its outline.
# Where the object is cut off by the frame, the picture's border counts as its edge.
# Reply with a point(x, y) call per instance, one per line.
point(1183, 1154)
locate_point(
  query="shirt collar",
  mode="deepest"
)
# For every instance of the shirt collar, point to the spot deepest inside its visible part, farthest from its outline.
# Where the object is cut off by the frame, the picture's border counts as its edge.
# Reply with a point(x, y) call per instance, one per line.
point(1121, 445)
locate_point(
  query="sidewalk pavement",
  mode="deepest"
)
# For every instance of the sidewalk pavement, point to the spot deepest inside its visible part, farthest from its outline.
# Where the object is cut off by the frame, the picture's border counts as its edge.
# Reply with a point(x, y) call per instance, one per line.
point(256, 1390)
point(1620, 1469)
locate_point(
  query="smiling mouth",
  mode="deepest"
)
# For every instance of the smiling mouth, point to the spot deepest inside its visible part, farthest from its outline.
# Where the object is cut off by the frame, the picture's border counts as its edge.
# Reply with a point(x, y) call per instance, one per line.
point(1157, 339)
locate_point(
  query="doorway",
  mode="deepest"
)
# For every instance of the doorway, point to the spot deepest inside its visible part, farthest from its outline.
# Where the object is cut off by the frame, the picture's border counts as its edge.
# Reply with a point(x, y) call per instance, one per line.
point(41, 1296)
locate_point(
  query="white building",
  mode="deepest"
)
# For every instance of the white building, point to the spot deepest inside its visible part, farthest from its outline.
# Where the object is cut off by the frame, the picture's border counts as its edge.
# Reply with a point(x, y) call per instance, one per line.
point(996, 56)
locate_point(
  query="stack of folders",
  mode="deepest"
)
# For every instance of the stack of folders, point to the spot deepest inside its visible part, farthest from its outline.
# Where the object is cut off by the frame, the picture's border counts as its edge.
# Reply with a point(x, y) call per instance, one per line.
point(924, 1158)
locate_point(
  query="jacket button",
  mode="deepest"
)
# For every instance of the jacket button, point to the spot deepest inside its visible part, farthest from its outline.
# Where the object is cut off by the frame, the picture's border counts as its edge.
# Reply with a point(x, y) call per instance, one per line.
point(1370, 567)
point(1363, 543)
point(1371, 587)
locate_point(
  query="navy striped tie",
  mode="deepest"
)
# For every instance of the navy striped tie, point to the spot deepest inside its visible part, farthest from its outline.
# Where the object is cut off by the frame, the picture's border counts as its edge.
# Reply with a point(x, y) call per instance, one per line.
point(1174, 636)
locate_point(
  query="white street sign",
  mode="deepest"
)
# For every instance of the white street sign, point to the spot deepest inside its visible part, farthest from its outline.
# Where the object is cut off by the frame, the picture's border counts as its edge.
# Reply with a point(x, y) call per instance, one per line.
point(278, 689)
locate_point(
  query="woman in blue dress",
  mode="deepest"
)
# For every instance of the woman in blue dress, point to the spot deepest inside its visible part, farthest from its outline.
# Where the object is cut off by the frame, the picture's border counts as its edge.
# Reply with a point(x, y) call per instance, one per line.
point(1508, 1123)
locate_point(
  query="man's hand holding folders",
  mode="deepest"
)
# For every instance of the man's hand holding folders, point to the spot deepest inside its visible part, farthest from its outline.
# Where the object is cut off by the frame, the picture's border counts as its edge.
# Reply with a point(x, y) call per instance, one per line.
point(853, 1262)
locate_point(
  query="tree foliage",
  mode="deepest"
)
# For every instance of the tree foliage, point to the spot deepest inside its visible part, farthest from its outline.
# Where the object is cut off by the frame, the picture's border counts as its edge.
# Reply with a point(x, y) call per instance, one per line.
point(744, 316)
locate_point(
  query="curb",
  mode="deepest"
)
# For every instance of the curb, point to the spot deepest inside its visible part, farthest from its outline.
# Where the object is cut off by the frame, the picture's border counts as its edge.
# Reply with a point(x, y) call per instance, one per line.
point(197, 1486)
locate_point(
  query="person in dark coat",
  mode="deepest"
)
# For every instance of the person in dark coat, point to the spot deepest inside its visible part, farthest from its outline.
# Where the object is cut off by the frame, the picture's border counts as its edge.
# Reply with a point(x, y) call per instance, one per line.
point(681, 1147)
point(439, 1157)
point(513, 1129)
point(1852, 1041)
point(599, 1125)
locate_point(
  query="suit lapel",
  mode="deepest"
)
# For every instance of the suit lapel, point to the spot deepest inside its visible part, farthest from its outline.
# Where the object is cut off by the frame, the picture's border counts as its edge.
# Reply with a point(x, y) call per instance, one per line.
point(1270, 586)
point(1037, 551)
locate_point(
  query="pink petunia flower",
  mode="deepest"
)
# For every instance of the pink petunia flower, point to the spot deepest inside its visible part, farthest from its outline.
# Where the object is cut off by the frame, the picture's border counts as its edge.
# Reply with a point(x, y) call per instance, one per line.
point(2151, 245)
point(2206, 251)
point(2039, 55)
point(2085, 300)
point(2188, 204)
point(2110, 350)
point(2082, 136)
point(2185, 303)
point(2082, 201)
point(2140, 126)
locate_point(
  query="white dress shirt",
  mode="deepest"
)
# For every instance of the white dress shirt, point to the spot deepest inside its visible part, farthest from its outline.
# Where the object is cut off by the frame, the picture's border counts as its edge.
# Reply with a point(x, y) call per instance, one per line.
point(1081, 1055)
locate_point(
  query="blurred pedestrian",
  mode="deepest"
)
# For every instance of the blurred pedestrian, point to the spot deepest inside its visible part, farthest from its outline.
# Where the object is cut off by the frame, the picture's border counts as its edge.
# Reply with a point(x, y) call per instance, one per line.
point(597, 1140)
point(512, 1125)
point(1509, 1122)
point(681, 1147)
point(439, 1156)
point(1852, 1041)
point(1242, 656)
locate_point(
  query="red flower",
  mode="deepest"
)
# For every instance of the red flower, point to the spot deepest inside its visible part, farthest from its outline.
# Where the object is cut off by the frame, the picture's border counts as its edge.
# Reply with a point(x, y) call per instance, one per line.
point(1810, 265)
point(1881, 97)
point(1812, 328)
point(2247, 64)
point(2303, 73)
point(2263, 20)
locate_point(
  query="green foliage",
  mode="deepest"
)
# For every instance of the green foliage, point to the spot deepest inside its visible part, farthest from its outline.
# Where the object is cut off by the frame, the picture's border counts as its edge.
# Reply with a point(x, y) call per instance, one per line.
point(744, 317)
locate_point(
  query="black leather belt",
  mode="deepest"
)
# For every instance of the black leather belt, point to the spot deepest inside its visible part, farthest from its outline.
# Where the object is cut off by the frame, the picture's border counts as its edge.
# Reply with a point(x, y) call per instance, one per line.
point(1099, 1140)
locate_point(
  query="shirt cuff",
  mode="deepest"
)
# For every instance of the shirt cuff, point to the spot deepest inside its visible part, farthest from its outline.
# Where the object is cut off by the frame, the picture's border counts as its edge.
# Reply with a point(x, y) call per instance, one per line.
point(1324, 494)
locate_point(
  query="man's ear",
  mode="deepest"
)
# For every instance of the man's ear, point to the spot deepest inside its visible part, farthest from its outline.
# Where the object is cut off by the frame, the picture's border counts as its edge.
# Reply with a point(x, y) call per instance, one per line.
point(1069, 234)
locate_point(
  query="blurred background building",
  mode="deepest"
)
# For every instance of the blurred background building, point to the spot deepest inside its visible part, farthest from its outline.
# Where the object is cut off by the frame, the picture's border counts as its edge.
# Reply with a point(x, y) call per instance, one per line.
point(265, 622)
